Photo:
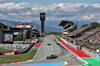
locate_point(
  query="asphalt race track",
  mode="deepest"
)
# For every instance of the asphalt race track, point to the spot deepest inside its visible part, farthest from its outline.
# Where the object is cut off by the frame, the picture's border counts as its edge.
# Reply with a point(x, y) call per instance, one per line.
point(45, 50)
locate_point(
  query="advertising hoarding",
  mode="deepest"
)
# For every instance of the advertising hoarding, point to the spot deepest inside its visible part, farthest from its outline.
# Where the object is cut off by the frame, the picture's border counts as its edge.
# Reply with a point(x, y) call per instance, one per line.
point(8, 38)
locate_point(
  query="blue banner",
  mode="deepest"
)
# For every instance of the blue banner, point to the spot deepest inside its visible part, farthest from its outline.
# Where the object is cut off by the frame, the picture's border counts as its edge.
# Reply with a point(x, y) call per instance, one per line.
point(97, 56)
point(88, 52)
point(92, 54)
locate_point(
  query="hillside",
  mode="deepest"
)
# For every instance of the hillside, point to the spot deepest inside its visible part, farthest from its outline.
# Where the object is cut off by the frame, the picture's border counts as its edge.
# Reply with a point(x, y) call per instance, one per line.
point(3, 26)
point(12, 23)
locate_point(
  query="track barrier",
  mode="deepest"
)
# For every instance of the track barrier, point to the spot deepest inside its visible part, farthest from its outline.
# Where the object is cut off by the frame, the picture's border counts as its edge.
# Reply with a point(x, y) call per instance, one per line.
point(2, 53)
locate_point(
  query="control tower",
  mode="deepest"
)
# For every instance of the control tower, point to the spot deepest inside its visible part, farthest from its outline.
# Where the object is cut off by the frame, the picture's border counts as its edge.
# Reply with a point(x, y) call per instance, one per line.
point(42, 19)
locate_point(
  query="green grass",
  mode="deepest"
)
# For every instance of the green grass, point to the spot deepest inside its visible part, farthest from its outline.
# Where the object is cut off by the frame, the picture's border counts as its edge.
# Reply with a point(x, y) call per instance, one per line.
point(91, 61)
point(5, 50)
point(18, 57)
point(40, 41)
point(59, 39)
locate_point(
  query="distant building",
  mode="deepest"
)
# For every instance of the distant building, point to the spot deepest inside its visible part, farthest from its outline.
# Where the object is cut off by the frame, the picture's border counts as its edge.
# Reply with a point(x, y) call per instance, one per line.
point(26, 34)
point(23, 25)
point(8, 36)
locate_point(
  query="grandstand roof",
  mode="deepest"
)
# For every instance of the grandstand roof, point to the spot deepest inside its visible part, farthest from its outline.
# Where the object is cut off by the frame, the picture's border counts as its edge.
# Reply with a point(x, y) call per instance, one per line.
point(68, 24)
point(65, 32)
point(64, 22)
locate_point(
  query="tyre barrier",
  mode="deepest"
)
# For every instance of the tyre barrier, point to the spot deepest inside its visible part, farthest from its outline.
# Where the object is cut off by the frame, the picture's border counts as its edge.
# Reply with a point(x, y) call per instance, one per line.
point(15, 52)
point(2, 53)
point(24, 50)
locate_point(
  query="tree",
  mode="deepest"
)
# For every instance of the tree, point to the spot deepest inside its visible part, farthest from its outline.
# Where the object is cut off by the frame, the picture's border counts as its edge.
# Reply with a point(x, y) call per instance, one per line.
point(71, 29)
point(21, 30)
point(84, 25)
point(18, 37)
point(3, 26)
point(94, 25)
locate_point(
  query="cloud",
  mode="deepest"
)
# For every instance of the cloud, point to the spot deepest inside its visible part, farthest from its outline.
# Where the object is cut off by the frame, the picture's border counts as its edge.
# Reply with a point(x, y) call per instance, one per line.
point(2, 0)
point(27, 12)
point(85, 17)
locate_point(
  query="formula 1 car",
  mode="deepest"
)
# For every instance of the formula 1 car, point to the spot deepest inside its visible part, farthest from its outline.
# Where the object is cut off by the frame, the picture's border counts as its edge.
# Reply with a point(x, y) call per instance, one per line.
point(49, 44)
point(52, 57)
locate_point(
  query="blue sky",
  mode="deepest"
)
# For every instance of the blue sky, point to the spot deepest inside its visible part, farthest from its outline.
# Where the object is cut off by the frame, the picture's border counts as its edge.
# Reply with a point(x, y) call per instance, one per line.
point(46, 2)
point(82, 11)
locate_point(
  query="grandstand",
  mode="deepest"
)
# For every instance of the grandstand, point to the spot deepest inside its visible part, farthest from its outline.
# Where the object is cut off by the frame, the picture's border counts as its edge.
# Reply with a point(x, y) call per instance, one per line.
point(77, 33)
point(66, 25)
point(86, 36)
point(94, 39)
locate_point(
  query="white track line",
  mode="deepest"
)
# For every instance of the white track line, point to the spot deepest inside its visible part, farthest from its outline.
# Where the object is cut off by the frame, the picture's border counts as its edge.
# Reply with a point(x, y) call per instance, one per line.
point(52, 49)
point(71, 51)
point(37, 51)
point(52, 46)
point(66, 63)
point(75, 54)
